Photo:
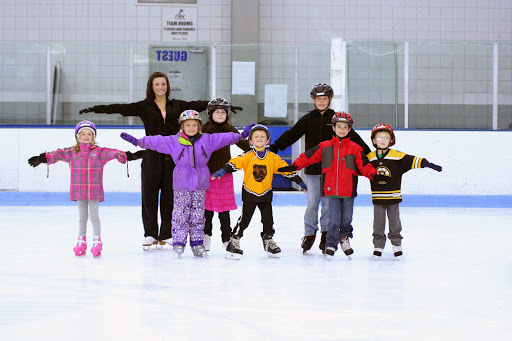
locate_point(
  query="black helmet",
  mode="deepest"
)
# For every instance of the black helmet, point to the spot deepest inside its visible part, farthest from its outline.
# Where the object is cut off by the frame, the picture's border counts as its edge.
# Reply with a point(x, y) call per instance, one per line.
point(322, 89)
point(218, 103)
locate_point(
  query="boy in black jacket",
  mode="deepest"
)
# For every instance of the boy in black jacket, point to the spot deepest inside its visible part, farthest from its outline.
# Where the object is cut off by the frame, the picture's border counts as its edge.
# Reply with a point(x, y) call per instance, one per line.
point(386, 185)
point(316, 126)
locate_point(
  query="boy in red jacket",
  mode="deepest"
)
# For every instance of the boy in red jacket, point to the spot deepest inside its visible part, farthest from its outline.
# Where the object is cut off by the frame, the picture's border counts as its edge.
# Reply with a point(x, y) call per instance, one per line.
point(340, 160)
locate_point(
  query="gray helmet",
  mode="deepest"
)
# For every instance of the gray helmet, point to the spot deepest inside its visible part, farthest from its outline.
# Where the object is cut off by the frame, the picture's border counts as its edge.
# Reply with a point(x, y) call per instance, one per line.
point(322, 89)
point(218, 103)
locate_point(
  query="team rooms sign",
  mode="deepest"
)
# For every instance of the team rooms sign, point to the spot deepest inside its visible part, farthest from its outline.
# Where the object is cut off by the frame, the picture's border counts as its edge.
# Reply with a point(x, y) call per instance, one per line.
point(179, 24)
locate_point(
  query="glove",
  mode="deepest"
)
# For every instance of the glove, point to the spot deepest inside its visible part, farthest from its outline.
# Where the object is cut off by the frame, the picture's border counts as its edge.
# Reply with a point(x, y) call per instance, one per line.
point(135, 156)
point(35, 161)
point(219, 174)
point(234, 109)
point(291, 168)
point(83, 111)
point(303, 186)
point(380, 178)
point(129, 138)
point(273, 148)
point(247, 129)
point(433, 166)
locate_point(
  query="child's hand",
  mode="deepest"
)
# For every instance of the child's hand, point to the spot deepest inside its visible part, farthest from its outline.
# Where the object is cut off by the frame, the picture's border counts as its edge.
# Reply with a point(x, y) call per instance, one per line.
point(234, 109)
point(35, 161)
point(135, 156)
point(218, 174)
point(303, 186)
point(433, 166)
point(247, 130)
point(291, 168)
point(129, 138)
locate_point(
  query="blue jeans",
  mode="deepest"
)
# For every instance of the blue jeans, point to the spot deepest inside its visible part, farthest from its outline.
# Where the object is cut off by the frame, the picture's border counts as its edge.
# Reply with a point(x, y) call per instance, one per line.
point(314, 183)
point(340, 219)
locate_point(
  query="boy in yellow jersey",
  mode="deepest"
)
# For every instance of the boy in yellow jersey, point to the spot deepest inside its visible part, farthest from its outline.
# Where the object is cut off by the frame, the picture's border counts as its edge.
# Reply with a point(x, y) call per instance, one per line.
point(386, 196)
point(259, 165)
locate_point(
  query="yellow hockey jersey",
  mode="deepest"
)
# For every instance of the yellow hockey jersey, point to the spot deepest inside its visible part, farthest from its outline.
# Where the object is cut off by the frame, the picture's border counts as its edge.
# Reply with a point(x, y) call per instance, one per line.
point(258, 174)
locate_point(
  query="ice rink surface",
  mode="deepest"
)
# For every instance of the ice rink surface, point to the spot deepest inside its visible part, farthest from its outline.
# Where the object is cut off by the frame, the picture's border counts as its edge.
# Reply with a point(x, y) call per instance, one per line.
point(453, 283)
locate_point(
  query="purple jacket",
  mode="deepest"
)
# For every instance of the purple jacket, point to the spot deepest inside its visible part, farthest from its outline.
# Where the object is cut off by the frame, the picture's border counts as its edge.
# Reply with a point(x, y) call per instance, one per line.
point(191, 159)
point(86, 168)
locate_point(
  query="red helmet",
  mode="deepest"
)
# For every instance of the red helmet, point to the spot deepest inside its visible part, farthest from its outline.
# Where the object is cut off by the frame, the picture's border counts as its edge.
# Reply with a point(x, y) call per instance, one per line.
point(342, 116)
point(383, 127)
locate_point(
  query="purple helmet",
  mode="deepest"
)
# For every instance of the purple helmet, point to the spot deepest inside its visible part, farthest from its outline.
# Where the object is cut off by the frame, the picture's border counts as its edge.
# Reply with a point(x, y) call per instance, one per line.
point(85, 124)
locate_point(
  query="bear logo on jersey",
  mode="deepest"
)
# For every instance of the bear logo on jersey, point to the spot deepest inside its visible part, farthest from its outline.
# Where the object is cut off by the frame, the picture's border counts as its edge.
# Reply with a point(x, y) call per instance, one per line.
point(384, 171)
point(259, 172)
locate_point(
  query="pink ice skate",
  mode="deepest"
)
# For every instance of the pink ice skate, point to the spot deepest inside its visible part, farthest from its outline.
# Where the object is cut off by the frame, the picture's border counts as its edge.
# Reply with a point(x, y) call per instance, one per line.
point(80, 247)
point(97, 246)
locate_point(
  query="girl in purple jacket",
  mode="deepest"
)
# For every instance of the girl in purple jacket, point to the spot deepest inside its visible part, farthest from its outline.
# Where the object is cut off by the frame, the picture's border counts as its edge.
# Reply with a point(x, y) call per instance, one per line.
point(190, 150)
point(86, 161)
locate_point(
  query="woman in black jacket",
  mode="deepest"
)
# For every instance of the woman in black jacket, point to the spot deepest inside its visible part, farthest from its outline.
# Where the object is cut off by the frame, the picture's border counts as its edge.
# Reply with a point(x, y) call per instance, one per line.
point(160, 117)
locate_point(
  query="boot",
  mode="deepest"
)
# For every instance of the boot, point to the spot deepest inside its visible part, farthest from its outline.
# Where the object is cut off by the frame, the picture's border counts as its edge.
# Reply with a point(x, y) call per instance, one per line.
point(148, 242)
point(179, 249)
point(307, 242)
point(323, 240)
point(207, 242)
point(97, 246)
point(345, 246)
point(81, 246)
point(270, 246)
point(397, 250)
point(199, 251)
point(233, 250)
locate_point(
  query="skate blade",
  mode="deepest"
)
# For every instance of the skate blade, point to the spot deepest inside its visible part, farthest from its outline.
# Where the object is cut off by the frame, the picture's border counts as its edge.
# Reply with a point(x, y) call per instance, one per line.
point(327, 257)
point(349, 257)
point(147, 247)
point(80, 253)
point(234, 256)
point(273, 255)
point(397, 258)
point(96, 254)
point(376, 257)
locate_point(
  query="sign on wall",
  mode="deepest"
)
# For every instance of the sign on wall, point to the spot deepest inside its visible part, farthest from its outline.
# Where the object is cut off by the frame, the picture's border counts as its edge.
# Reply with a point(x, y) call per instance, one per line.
point(179, 24)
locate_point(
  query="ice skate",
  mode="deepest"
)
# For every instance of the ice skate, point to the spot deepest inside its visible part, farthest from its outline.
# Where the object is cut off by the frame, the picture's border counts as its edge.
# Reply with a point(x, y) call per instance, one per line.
point(307, 242)
point(225, 245)
point(273, 251)
point(179, 249)
point(81, 246)
point(329, 252)
point(163, 243)
point(323, 240)
point(233, 250)
point(377, 252)
point(148, 242)
point(97, 246)
point(207, 242)
point(397, 251)
point(345, 246)
point(199, 251)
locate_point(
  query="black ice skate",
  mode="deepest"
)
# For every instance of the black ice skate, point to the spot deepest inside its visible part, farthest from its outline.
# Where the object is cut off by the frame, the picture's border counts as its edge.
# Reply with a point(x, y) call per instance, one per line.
point(397, 251)
point(345, 246)
point(233, 250)
point(273, 251)
point(323, 240)
point(307, 242)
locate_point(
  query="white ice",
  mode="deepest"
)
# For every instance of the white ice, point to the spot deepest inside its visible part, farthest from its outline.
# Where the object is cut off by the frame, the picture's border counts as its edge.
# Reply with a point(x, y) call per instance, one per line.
point(453, 282)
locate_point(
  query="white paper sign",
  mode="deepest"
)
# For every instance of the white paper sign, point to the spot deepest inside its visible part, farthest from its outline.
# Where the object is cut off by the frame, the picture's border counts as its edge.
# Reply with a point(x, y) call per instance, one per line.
point(179, 24)
point(243, 78)
point(276, 100)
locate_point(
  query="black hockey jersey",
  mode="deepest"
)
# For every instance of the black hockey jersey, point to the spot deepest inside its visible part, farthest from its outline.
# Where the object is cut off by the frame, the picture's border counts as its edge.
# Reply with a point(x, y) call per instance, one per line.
point(392, 165)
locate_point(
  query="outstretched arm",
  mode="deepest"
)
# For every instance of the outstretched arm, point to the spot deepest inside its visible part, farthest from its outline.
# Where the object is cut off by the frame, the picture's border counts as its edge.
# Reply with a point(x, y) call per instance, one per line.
point(35, 161)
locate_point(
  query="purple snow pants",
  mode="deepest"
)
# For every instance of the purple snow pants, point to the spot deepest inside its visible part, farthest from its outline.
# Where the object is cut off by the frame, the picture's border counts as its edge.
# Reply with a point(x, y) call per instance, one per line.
point(188, 217)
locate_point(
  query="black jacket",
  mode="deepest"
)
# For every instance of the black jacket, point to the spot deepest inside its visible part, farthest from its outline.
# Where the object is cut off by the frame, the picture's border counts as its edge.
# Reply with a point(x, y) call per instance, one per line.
point(317, 128)
point(151, 116)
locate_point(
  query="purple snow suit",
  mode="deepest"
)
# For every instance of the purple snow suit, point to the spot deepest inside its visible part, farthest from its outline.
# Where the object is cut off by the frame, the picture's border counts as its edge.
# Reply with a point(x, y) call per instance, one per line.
point(191, 175)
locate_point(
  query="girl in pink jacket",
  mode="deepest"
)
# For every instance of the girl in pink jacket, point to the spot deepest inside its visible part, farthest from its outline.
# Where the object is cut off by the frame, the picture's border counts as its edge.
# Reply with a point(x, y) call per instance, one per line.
point(86, 161)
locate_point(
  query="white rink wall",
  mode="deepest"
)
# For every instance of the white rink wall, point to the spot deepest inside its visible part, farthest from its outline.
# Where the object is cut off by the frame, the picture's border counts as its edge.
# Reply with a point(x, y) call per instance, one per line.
point(474, 162)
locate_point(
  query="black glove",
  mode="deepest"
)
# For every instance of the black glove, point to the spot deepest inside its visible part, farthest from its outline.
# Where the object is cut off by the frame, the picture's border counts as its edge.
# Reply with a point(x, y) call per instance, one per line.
point(35, 161)
point(235, 108)
point(380, 178)
point(291, 168)
point(135, 156)
point(273, 148)
point(83, 111)
point(433, 166)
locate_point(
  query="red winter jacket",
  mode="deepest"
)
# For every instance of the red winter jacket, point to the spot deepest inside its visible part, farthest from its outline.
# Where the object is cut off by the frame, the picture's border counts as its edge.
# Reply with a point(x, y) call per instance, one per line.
point(340, 160)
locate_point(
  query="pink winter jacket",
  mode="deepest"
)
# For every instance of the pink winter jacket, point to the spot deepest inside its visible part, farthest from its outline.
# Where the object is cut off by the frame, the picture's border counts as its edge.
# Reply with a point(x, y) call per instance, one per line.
point(86, 168)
